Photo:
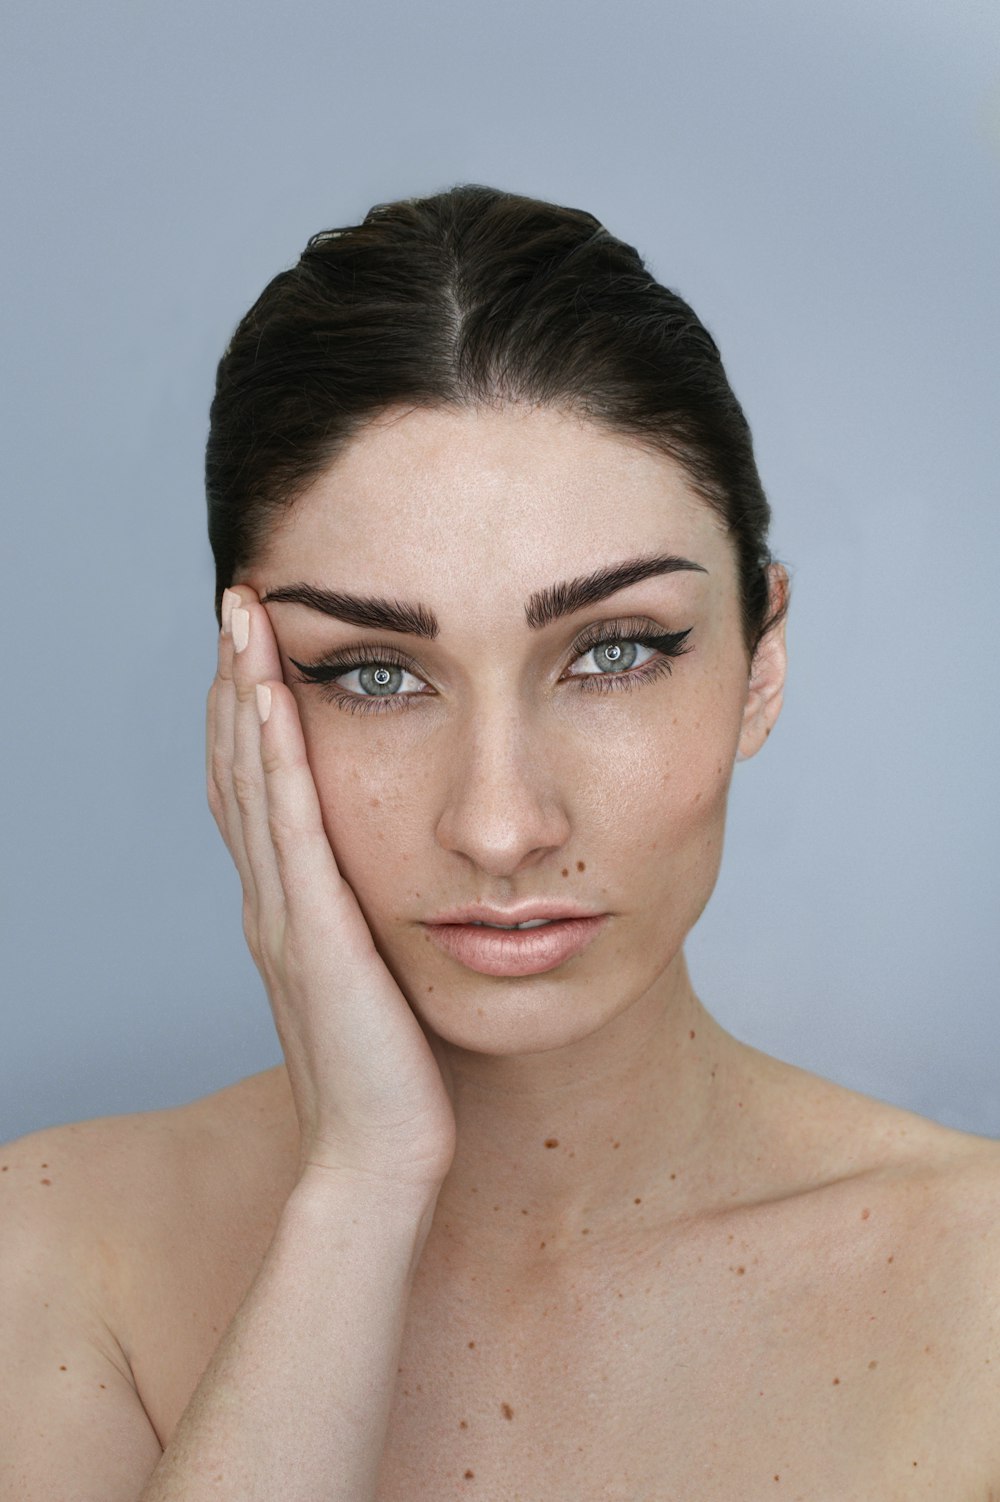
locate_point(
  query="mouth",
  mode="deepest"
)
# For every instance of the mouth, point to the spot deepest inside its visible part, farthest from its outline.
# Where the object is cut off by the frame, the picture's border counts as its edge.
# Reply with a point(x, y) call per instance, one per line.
point(536, 946)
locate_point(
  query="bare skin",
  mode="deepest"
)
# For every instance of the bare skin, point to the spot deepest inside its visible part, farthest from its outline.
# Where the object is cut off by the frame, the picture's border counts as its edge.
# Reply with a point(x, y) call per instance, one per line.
point(831, 1320)
point(661, 1264)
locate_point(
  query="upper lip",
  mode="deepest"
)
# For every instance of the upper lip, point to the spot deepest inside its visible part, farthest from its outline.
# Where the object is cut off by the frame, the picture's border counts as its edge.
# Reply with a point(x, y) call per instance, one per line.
point(476, 913)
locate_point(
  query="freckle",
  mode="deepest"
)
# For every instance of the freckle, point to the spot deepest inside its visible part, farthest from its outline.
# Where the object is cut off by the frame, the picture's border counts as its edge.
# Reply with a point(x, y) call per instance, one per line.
point(45, 1181)
point(740, 1104)
point(865, 1214)
point(62, 1368)
point(462, 1424)
point(616, 1144)
point(888, 1259)
point(472, 1345)
point(836, 1381)
point(585, 1231)
point(469, 1475)
point(552, 1142)
point(44, 1165)
point(926, 1349)
point(101, 1384)
point(429, 990)
point(5, 1167)
point(541, 1246)
point(496, 1207)
point(691, 1033)
point(638, 1201)
point(506, 1410)
point(524, 1212)
point(713, 1074)
point(673, 1176)
point(580, 866)
point(777, 1478)
point(741, 1271)
point(564, 871)
point(872, 1365)
point(479, 1012)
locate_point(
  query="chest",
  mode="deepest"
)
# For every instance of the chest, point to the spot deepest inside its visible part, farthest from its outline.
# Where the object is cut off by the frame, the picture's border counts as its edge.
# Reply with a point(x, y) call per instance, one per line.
point(670, 1380)
point(750, 1361)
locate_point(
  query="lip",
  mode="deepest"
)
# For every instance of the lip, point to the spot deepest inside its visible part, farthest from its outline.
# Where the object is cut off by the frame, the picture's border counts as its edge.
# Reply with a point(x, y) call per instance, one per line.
point(526, 953)
point(477, 913)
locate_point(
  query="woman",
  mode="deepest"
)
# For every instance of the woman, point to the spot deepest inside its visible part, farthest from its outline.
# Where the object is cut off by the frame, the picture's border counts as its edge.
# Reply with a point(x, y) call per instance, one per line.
point(516, 1218)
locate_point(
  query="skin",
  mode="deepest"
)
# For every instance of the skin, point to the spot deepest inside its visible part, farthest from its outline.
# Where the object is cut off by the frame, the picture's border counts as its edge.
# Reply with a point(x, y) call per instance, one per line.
point(508, 780)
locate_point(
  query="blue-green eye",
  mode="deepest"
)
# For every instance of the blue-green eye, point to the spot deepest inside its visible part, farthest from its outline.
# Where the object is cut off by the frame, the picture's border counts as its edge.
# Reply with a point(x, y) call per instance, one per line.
point(381, 670)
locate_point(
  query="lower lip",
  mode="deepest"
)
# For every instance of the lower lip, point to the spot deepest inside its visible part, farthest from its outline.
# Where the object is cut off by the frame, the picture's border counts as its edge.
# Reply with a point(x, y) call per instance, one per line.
point(526, 951)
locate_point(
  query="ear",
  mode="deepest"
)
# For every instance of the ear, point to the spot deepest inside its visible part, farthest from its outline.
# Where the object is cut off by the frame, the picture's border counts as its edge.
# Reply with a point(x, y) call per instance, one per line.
point(766, 687)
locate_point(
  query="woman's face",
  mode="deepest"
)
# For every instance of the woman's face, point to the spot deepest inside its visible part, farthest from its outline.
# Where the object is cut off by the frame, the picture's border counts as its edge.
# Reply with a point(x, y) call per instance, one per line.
point(491, 767)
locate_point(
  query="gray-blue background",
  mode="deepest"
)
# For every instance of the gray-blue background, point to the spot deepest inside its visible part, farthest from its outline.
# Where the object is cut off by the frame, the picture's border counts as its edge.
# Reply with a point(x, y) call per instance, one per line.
point(820, 181)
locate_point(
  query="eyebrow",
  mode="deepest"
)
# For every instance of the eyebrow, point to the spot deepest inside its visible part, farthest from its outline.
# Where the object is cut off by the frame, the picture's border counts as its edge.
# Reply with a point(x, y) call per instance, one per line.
point(540, 609)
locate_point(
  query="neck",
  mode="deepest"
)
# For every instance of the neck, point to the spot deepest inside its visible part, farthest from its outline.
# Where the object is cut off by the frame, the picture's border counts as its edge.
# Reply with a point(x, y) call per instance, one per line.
point(561, 1152)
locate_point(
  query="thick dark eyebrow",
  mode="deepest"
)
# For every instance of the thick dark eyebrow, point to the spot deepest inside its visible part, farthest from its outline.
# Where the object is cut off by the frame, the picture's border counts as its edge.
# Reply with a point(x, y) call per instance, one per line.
point(543, 607)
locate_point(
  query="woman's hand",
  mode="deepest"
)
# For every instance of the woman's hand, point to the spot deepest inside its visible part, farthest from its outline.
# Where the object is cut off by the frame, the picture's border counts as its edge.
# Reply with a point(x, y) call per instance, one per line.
point(368, 1086)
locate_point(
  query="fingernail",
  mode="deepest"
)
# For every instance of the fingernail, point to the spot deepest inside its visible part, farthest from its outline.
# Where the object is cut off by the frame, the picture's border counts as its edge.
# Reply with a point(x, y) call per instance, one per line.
point(263, 701)
point(241, 628)
point(229, 599)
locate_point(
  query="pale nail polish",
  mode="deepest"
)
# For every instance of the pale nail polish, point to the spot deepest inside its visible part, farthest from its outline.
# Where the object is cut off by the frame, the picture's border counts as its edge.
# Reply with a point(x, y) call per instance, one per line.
point(241, 628)
point(229, 599)
point(263, 701)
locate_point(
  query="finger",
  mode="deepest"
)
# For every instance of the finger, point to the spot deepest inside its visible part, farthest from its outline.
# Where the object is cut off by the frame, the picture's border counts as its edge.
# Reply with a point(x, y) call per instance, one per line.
point(253, 662)
point(222, 753)
point(310, 878)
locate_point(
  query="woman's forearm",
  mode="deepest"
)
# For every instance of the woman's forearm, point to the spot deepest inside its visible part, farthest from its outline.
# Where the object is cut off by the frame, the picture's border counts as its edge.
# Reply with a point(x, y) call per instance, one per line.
point(295, 1401)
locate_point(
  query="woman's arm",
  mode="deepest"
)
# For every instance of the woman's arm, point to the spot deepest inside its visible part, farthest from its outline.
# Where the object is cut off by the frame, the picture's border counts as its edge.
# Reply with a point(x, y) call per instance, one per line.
point(295, 1401)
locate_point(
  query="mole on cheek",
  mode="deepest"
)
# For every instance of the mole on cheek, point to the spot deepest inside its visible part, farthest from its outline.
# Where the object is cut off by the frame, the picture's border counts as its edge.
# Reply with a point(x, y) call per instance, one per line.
point(506, 1410)
point(565, 872)
point(580, 866)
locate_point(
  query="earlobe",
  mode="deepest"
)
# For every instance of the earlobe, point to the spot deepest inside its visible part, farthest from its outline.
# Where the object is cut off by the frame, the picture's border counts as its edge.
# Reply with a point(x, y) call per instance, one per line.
point(766, 687)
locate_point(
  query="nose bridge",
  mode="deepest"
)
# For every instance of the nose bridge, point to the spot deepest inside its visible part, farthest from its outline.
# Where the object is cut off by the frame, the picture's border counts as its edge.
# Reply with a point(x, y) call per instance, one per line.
point(501, 797)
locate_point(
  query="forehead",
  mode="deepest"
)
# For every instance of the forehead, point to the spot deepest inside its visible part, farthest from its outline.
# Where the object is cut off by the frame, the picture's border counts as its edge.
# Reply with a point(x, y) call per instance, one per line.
point(433, 503)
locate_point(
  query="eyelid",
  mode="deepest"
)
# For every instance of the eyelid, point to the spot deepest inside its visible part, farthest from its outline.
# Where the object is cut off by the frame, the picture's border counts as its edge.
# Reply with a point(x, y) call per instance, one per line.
point(348, 656)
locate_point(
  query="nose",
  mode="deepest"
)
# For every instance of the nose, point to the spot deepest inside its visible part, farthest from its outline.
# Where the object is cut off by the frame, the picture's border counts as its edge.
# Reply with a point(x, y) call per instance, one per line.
point(503, 796)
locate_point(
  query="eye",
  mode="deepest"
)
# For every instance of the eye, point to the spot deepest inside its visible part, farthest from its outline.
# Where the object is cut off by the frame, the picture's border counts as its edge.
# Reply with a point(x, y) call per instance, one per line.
point(381, 671)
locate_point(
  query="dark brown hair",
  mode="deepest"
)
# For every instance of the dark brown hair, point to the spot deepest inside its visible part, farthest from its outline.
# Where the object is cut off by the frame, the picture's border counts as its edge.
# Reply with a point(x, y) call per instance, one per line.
point(472, 297)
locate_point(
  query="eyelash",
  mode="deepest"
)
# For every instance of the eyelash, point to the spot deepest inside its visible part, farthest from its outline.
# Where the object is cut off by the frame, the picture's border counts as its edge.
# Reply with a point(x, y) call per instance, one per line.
point(669, 644)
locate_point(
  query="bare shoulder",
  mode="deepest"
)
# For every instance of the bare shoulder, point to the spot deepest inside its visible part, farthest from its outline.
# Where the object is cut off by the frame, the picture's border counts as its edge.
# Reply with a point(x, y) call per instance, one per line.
point(907, 1210)
point(154, 1182)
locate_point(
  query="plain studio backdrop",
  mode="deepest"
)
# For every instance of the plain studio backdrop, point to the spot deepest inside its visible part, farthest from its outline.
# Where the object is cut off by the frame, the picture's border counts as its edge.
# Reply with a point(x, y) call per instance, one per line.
point(819, 181)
